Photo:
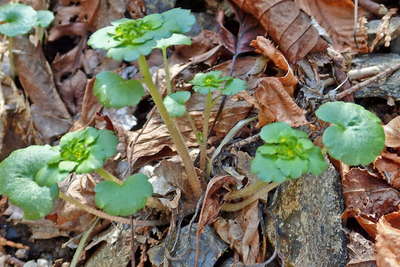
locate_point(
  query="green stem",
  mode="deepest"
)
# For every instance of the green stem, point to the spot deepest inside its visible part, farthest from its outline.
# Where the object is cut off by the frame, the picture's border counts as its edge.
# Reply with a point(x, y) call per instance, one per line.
point(82, 243)
point(108, 176)
point(255, 193)
point(194, 128)
point(203, 146)
point(106, 216)
point(247, 191)
point(11, 56)
point(176, 136)
point(166, 68)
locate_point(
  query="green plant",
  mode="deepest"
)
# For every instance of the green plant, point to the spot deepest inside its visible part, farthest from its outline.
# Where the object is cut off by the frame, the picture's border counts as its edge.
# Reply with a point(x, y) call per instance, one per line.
point(19, 19)
point(355, 137)
point(206, 84)
point(29, 176)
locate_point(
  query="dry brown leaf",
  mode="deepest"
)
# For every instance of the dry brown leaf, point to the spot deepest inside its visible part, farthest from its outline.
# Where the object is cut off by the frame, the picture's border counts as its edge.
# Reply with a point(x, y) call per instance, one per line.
point(274, 94)
point(337, 18)
point(242, 233)
point(50, 116)
point(361, 251)
point(389, 168)
point(392, 133)
point(367, 198)
point(287, 25)
point(70, 11)
point(388, 241)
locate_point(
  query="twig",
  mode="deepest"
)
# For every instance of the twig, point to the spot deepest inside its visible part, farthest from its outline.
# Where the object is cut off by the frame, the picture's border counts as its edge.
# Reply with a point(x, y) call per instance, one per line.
point(368, 81)
point(82, 243)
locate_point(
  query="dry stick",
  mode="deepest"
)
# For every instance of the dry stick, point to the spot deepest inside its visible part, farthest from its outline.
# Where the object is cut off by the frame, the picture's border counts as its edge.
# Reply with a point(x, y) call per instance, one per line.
point(355, 26)
point(176, 135)
point(368, 81)
point(106, 216)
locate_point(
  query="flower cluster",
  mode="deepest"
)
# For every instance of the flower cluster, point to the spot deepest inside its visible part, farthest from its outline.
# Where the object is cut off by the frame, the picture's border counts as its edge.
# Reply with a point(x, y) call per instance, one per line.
point(204, 83)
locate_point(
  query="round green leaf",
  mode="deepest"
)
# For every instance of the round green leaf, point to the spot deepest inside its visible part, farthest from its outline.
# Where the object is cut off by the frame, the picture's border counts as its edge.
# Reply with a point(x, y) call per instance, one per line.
point(44, 18)
point(86, 150)
point(16, 19)
point(18, 174)
point(114, 92)
point(125, 199)
point(178, 20)
point(234, 86)
point(356, 135)
point(175, 39)
point(175, 103)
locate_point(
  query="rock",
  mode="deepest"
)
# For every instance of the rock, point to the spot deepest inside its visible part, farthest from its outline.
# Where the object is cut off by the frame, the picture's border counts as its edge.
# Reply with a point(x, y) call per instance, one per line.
point(304, 221)
point(389, 87)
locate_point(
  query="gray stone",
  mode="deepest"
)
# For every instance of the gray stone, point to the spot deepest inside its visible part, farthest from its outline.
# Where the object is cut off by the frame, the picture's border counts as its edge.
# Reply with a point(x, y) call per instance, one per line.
point(304, 221)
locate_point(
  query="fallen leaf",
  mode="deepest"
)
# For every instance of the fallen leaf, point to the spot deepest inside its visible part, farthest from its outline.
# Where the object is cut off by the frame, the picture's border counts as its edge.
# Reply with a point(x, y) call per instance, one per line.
point(241, 233)
point(287, 25)
point(337, 18)
point(368, 198)
point(274, 94)
point(361, 251)
point(388, 168)
point(388, 241)
point(392, 133)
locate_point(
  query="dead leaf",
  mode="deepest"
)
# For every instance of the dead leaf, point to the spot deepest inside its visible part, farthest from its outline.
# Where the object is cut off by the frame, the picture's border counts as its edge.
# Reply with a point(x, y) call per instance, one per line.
point(249, 29)
point(361, 251)
point(287, 25)
point(389, 168)
point(274, 94)
point(84, 11)
point(337, 18)
point(388, 241)
point(241, 233)
point(392, 133)
point(50, 116)
point(367, 198)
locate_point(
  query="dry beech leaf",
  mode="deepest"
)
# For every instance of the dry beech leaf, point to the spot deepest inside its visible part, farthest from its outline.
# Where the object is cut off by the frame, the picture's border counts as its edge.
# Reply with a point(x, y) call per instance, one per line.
point(274, 94)
point(337, 18)
point(287, 25)
point(241, 233)
point(392, 133)
point(361, 251)
point(367, 198)
point(388, 241)
point(155, 141)
point(388, 165)
point(213, 200)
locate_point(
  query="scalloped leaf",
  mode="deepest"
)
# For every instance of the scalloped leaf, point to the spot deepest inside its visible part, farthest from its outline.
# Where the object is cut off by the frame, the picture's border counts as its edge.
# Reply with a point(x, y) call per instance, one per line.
point(86, 150)
point(44, 18)
point(125, 199)
point(356, 135)
point(175, 39)
point(18, 174)
point(114, 92)
point(175, 103)
point(287, 154)
point(16, 19)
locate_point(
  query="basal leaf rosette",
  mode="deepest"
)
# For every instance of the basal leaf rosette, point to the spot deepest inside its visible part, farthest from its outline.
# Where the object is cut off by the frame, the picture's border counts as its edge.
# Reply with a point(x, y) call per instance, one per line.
point(125, 199)
point(204, 83)
point(86, 150)
point(356, 135)
point(175, 103)
point(286, 154)
point(18, 180)
point(114, 92)
point(127, 39)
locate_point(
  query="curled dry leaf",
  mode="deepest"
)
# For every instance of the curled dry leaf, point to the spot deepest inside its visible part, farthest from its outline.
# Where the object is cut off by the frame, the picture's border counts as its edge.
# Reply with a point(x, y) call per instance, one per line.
point(388, 165)
point(287, 25)
point(388, 241)
point(242, 233)
point(367, 198)
point(274, 94)
point(337, 18)
point(392, 133)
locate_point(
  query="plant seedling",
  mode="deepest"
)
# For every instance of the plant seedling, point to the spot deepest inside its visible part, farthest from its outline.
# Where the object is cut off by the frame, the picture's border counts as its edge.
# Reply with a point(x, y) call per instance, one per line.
point(29, 176)
point(356, 136)
point(206, 84)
